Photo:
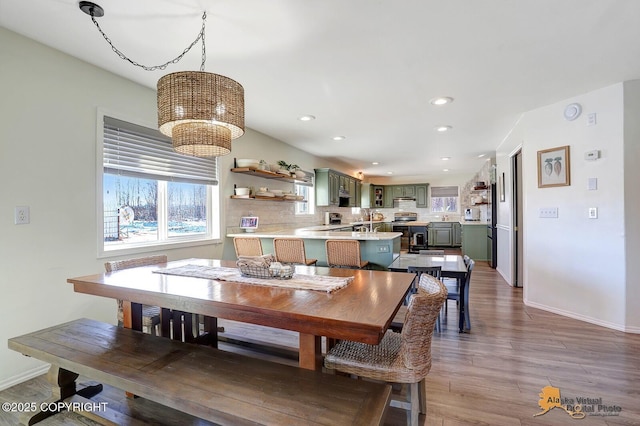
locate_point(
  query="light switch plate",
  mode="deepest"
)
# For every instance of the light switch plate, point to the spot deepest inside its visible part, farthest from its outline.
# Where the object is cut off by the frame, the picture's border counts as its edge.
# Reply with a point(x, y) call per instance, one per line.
point(548, 212)
point(593, 212)
point(592, 184)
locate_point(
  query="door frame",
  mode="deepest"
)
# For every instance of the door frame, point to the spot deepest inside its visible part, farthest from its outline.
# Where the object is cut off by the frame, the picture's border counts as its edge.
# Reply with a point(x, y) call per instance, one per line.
point(517, 217)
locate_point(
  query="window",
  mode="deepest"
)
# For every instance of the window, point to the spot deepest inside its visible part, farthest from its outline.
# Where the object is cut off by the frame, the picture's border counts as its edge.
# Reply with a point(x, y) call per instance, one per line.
point(151, 195)
point(306, 190)
point(444, 199)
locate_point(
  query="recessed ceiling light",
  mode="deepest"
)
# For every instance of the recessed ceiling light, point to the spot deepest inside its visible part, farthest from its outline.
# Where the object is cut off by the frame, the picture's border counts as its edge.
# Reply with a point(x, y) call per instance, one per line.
point(389, 173)
point(445, 158)
point(375, 163)
point(443, 100)
point(307, 118)
point(339, 138)
point(445, 170)
point(481, 155)
point(443, 128)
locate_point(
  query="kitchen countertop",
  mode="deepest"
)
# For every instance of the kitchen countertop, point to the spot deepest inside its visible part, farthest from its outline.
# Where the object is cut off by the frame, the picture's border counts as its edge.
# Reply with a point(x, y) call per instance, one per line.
point(322, 232)
point(473, 222)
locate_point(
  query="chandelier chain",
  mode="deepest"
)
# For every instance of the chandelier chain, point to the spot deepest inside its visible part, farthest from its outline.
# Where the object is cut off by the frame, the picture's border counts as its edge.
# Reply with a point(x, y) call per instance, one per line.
point(163, 66)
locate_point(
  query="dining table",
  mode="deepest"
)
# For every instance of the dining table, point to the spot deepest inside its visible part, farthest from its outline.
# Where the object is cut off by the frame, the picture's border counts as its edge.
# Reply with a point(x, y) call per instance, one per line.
point(361, 310)
point(452, 266)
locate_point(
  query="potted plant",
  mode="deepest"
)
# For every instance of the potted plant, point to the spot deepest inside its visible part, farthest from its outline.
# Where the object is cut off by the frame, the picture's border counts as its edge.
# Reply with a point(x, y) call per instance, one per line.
point(284, 168)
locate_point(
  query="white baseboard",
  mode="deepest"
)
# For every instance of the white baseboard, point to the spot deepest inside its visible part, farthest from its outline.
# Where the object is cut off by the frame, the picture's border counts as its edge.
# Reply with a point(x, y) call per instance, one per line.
point(23, 377)
point(614, 326)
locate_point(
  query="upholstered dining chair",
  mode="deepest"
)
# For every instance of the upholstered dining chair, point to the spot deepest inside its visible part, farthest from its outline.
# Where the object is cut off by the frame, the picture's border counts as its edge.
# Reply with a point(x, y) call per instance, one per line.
point(150, 314)
point(344, 254)
point(291, 250)
point(247, 246)
point(403, 357)
point(453, 293)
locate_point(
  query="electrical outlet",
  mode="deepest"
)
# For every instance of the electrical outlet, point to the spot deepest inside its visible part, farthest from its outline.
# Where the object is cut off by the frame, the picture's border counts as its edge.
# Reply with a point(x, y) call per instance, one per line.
point(593, 212)
point(548, 212)
point(21, 215)
point(383, 249)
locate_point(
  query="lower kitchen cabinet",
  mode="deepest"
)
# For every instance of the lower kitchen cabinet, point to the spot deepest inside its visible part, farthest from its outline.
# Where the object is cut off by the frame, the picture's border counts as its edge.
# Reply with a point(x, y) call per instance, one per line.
point(440, 234)
point(474, 242)
point(457, 234)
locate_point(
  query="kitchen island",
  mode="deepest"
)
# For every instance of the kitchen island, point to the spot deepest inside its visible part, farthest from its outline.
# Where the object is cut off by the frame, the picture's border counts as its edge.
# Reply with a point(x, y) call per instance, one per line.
point(379, 248)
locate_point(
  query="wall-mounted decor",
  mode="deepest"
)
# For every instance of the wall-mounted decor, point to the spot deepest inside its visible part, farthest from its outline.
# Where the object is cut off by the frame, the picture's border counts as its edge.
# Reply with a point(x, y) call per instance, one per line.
point(553, 167)
point(501, 187)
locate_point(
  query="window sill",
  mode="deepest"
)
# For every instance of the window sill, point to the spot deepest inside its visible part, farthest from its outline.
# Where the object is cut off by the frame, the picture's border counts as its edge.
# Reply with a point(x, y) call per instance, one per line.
point(155, 247)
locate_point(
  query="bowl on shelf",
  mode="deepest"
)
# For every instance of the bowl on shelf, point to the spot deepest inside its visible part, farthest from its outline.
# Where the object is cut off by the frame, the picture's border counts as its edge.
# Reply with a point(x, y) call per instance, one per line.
point(300, 174)
point(277, 192)
point(248, 162)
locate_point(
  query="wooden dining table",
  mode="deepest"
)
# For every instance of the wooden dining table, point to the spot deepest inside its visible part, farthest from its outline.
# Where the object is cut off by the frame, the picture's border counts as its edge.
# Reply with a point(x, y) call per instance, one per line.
point(361, 311)
point(452, 266)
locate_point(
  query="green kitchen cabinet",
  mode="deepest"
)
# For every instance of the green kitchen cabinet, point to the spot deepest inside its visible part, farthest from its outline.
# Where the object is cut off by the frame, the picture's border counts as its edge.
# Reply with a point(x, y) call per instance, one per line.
point(442, 235)
point(401, 191)
point(421, 195)
point(328, 185)
point(474, 242)
point(457, 234)
point(377, 196)
point(388, 197)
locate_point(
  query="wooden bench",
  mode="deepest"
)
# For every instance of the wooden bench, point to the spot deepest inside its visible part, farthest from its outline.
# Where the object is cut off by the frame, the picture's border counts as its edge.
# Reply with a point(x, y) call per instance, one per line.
point(222, 387)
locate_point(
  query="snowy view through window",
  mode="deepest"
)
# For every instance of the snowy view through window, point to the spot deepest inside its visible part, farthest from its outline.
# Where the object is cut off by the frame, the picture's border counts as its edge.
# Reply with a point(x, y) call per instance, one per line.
point(138, 210)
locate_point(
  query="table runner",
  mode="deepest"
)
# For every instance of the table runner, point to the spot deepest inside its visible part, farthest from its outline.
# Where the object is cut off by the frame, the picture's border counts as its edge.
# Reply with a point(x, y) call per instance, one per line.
point(298, 281)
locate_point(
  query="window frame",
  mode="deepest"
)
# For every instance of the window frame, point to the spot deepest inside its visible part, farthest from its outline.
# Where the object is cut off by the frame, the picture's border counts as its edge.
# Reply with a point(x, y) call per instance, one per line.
point(213, 215)
point(457, 196)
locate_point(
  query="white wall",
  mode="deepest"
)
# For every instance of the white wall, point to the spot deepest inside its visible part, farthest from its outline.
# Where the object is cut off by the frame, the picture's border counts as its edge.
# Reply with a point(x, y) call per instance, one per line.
point(574, 265)
point(632, 200)
point(48, 109)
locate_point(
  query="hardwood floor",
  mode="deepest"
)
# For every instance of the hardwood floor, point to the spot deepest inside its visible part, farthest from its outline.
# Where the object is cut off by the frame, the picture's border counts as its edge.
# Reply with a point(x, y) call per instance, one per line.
point(490, 376)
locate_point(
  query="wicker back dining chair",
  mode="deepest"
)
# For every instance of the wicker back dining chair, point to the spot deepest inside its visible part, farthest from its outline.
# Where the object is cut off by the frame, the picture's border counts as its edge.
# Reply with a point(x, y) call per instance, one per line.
point(403, 357)
point(435, 271)
point(291, 250)
point(453, 293)
point(150, 314)
point(247, 246)
point(344, 254)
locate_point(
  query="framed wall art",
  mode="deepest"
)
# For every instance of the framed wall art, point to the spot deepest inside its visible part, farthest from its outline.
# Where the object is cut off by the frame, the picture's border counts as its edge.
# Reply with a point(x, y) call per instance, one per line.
point(554, 167)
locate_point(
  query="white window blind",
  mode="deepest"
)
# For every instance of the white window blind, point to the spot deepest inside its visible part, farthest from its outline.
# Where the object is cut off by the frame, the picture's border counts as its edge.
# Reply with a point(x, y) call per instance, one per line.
point(444, 191)
point(136, 151)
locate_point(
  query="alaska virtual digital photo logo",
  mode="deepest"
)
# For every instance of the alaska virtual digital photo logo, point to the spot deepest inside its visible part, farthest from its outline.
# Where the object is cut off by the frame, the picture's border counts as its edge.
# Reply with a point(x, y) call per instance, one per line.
point(578, 407)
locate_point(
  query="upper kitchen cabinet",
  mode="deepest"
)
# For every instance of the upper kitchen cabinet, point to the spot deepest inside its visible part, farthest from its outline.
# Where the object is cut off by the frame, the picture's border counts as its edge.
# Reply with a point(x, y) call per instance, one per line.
point(377, 196)
point(404, 191)
point(387, 201)
point(331, 184)
point(421, 195)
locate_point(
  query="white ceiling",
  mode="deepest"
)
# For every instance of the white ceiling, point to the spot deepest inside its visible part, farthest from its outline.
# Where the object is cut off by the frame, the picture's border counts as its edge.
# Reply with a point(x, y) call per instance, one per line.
point(366, 68)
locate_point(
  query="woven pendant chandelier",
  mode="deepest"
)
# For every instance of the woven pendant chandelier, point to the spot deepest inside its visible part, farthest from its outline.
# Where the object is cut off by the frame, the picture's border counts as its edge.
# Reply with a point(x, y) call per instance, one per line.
point(201, 112)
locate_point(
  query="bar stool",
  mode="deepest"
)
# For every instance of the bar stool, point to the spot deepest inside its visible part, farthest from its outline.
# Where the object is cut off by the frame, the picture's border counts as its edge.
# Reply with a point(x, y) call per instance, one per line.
point(344, 254)
point(247, 246)
point(291, 250)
